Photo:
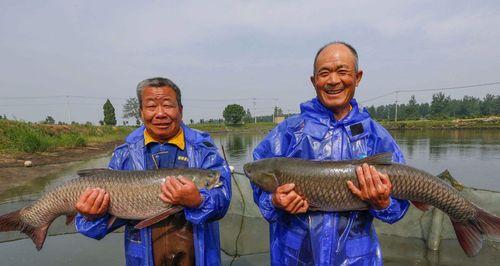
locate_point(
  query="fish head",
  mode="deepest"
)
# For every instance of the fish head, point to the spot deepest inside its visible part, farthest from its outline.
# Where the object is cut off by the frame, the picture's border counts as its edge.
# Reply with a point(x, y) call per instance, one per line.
point(212, 179)
point(262, 174)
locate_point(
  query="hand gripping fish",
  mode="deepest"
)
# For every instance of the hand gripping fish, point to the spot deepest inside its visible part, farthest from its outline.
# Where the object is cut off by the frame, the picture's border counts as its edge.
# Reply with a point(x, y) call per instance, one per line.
point(324, 185)
point(133, 195)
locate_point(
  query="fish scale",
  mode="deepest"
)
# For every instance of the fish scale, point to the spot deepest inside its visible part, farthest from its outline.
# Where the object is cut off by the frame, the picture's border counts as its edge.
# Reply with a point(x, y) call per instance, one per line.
point(133, 195)
point(324, 185)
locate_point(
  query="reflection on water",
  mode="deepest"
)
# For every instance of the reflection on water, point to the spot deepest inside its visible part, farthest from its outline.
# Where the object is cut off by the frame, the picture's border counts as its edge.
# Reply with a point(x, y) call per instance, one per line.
point(472, 156)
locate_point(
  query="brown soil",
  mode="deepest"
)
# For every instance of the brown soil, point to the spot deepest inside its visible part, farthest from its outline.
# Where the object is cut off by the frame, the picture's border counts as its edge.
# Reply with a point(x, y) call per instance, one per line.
point(13, 172)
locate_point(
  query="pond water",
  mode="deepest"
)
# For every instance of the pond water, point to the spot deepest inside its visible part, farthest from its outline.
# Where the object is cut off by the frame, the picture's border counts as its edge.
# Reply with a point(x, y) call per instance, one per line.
point(472, 156)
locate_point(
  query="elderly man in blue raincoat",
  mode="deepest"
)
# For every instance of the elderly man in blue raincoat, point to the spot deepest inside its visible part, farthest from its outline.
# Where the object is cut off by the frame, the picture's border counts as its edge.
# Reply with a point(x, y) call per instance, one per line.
point(164, 142)
point(331, 126)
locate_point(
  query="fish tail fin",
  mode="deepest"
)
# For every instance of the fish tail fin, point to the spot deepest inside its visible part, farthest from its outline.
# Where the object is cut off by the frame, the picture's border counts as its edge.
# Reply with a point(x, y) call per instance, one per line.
point(489, 224)
point(469, 236)
point(12, 222)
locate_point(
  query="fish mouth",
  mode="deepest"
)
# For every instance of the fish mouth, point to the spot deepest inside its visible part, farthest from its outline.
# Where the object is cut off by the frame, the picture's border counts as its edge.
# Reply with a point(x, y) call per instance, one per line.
point(246, 169)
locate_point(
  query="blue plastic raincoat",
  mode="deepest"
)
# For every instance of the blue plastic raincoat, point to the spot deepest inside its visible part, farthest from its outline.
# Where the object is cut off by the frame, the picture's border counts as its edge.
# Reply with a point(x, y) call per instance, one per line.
point(326, 238)
point(202, 153)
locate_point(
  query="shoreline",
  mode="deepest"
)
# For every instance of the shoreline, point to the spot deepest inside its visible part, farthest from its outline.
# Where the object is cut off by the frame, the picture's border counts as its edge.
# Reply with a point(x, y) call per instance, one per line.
point(14, 175)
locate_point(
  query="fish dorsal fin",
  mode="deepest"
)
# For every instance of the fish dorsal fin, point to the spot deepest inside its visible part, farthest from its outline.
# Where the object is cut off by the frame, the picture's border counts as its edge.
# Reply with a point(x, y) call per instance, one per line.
point(89, 172)
point(381, 158)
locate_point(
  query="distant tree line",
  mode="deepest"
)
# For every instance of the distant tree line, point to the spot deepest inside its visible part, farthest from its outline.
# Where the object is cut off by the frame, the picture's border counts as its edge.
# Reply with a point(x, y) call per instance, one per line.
point(441, 107)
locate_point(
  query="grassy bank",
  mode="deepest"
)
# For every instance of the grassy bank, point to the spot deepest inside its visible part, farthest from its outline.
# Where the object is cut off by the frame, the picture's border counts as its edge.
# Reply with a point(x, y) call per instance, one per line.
point(221, 128)
point(473, 123)
point(18, 137)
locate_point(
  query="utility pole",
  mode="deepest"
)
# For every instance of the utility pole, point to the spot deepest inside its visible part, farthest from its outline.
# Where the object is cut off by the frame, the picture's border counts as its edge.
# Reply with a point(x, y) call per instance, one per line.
point(396, 113)
point(274, 109)
point(254, 112)
point(68, 113)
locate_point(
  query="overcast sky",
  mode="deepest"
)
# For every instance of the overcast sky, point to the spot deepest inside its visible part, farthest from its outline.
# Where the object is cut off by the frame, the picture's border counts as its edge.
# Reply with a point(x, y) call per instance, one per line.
point(223, 52)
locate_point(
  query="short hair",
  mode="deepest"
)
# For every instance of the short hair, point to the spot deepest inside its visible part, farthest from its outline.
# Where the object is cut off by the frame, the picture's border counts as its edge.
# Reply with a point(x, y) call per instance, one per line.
point(157, 83)
point(353, 51)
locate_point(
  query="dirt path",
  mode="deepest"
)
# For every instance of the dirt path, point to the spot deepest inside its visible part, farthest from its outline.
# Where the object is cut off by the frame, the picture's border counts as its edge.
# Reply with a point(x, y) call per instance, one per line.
point(13, 173)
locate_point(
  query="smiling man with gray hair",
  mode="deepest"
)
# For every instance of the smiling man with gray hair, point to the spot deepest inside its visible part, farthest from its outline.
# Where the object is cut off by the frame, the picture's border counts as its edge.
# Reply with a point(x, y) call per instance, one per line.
point(332, 126)
point(164, 141)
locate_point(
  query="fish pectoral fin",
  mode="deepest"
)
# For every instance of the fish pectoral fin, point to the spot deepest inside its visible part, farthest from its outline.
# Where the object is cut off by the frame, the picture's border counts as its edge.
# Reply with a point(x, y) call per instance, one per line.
point(381, 158)
point(150, 221)
point(70, 217)
point(421, 206)
point(89, 172)
point(313, 207)
point(111, 221)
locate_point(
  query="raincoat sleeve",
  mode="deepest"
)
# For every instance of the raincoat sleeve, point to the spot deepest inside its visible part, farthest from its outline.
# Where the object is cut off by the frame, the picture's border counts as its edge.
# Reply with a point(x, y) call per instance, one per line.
point(98, 228)
point(273, 145)
point(216, 200)
point(397, 207)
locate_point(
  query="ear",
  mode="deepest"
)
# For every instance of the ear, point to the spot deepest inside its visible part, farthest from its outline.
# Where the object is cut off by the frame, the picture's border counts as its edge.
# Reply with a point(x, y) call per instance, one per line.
point(313, 81)
point(359, 75)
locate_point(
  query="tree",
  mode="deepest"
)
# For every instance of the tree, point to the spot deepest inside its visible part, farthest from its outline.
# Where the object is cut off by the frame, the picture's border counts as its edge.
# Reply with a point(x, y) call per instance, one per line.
point(49, 120)
point(131, 110)
point(191, 121)
point(233, 114)
point(248, 117)
point(411, 110)
point(109, 113)
point(278, 111)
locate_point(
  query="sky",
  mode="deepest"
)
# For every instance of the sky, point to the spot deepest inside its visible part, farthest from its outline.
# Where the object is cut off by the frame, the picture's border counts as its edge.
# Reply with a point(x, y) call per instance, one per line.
point(65, 58)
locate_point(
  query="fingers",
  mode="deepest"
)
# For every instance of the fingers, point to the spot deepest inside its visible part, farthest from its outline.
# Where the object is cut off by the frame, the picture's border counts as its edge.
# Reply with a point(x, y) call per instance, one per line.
point(286, 188)
point(93, 202)
point(361, 178)
point(296, 200)
point(175, 183)
point(105, 204)
point(377, 183)
point(354, 189)
point(368, 177)
point(304, 208)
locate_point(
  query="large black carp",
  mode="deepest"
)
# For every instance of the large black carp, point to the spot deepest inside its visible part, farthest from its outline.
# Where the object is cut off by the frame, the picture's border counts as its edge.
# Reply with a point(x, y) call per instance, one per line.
point(324, 185)
point(133, 194)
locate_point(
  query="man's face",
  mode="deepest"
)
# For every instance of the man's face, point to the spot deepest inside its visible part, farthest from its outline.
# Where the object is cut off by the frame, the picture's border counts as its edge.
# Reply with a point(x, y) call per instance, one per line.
point(335, 78)
point(160, 112)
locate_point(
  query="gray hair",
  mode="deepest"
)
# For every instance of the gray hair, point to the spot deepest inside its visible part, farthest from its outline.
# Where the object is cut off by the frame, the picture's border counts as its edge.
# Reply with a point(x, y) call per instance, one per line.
point(353, 51)
point(157, 83)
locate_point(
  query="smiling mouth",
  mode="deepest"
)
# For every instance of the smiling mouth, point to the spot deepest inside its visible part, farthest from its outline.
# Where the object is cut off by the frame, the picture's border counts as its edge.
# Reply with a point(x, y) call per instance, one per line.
point(333, 92)
point(161, 125)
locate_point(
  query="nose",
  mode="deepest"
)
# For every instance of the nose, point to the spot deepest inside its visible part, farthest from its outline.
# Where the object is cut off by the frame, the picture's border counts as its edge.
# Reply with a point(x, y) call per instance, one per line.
point(333, 78)
point(161, 112)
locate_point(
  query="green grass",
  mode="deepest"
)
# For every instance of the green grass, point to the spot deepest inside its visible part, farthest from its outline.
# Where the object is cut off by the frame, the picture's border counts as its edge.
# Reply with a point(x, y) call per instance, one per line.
point(249, 127)
point(487, 122)
point(29, 137)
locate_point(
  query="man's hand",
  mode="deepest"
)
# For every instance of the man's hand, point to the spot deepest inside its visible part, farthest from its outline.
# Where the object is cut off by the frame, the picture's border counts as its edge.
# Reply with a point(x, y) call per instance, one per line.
point(287, 199)
point(180, 191)
point(374, 187)
point(93, 203)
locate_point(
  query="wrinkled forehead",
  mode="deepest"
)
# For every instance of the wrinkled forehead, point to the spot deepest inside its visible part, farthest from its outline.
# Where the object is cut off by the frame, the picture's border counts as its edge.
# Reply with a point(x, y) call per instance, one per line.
point(158, 93)
point(336, 54)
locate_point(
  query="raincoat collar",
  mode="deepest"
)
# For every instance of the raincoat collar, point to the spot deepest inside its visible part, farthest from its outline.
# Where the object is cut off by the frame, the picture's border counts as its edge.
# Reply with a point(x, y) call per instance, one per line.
point(315, 110)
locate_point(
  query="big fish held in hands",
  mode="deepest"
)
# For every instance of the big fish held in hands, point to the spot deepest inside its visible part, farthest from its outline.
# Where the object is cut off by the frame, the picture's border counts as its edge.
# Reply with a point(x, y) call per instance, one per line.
point(324, 185)
point(134, 195)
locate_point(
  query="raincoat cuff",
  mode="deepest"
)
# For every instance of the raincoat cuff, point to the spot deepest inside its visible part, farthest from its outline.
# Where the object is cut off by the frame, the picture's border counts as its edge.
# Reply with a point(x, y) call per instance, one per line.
point(384, 212)
point(95, 229)
point(269, 211)
point(396, 210)
point(200, 214)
